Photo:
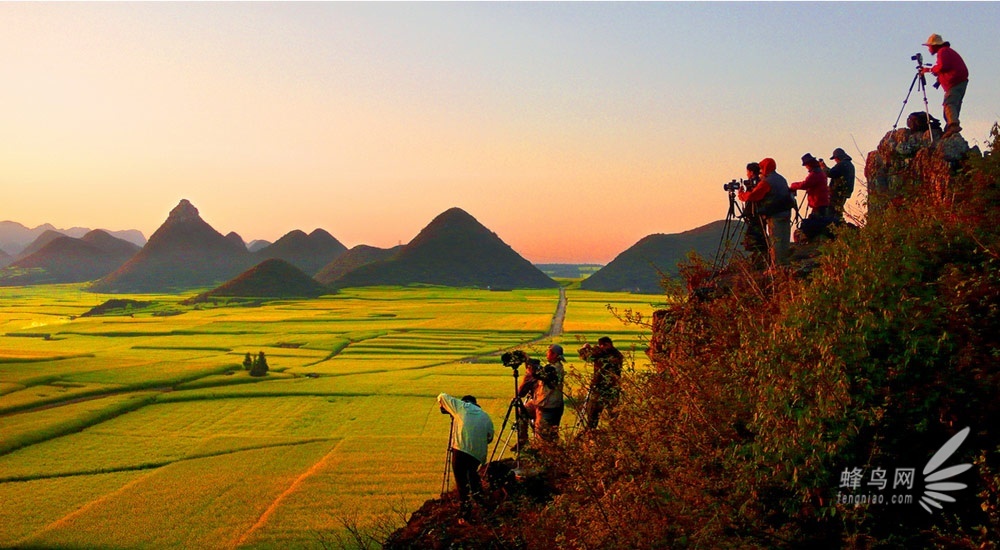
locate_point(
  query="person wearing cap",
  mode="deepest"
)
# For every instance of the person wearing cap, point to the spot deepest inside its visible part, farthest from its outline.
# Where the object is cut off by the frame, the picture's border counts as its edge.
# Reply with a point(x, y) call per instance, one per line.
point(473, 431)
point(841, 182)
point(816, 187)
point(548, 397)
point(953, 76)
point(773, 203)
point(818, 195)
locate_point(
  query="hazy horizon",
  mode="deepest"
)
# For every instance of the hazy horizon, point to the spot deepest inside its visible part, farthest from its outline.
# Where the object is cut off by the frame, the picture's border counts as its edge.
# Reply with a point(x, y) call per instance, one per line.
point(572, 130)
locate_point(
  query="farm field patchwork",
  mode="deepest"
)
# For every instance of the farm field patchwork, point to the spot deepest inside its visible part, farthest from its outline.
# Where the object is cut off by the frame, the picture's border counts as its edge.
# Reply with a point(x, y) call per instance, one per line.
point(144, 430)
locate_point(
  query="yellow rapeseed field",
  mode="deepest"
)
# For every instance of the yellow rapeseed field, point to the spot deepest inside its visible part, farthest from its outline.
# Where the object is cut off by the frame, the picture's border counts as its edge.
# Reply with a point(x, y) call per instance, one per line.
point(144, 430)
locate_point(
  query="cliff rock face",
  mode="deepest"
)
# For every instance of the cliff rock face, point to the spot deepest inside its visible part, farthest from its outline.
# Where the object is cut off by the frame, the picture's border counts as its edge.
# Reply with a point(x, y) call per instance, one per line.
point(907, 158)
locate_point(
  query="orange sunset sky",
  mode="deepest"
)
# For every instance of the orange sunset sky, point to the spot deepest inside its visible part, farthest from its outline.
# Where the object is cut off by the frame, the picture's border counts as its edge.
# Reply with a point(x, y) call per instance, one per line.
point(572, 130)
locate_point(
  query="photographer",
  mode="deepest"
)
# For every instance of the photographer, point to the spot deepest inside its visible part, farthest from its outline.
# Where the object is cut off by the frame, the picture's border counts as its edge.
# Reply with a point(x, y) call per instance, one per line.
point(755, 240)
point(549, 395)
point(473, 431)
point(953, 76)
point(605, 386)
point(773, 203)
point(841, 182)
point(529, 410)
point(818, 195)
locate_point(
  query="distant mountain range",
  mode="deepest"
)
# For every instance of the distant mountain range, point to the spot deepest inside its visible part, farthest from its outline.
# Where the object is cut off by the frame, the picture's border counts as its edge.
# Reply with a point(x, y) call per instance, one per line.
point(186, 252)
point(15, 237)
point(56, 258)
point(638, 268)
point(454, 249)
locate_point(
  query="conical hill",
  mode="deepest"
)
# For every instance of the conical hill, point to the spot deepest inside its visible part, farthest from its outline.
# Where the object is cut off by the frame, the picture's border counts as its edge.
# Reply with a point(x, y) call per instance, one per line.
point(272, 278)
point(453, 250)
point(184, 252)
point(638, 268)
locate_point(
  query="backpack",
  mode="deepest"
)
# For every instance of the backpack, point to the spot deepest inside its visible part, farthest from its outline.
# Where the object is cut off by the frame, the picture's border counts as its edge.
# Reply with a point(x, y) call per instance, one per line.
point(917, 122)
point(813, 227)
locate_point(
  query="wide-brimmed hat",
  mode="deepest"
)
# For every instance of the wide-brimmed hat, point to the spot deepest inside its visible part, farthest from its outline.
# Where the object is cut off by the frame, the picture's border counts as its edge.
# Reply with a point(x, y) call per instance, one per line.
point(808, 159)
point(934, 40)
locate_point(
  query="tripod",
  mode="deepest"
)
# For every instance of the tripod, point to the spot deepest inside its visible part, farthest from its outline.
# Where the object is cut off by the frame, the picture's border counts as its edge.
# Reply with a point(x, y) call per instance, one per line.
point(447, 459)
point(520, 414)
point(731, 232)
point(918, 78)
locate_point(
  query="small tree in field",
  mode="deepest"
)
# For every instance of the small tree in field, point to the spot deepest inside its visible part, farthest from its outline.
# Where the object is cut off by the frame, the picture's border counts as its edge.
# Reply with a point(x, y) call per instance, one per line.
point(259, 367)
point(247, 362)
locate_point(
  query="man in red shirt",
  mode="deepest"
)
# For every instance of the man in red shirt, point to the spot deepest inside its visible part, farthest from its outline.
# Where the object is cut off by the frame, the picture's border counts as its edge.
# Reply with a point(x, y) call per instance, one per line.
point(816, 187)
point(953, 76)
point(818, 194)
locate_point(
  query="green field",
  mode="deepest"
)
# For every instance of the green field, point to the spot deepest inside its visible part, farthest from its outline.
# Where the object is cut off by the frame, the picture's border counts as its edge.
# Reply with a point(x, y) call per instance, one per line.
point(143, 429)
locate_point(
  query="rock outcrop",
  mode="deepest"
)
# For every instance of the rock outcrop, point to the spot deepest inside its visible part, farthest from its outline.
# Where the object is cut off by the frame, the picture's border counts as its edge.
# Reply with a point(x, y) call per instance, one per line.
point(905, 158)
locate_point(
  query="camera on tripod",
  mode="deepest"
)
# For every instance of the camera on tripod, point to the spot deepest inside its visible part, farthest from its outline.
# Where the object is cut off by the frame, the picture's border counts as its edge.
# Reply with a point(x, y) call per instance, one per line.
point(732, 186)
point(919, 58)
point(513, 359)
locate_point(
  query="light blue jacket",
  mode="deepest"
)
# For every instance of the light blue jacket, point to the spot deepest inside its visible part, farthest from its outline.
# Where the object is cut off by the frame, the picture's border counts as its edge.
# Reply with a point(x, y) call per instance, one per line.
point(473, 427)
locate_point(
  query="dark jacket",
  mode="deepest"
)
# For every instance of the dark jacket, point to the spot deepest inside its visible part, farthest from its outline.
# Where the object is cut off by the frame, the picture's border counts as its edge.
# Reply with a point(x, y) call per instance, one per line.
point(842, 179)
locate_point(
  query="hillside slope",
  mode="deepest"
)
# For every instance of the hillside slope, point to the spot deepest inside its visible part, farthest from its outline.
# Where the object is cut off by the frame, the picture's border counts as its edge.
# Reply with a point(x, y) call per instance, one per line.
point(272, 278)
point(352, 259)
point(310, 253)
point(641, 267)
point(69, 260)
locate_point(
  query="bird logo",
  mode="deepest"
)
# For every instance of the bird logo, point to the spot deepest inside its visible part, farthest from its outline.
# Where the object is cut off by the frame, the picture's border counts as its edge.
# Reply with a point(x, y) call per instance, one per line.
point(936, 485)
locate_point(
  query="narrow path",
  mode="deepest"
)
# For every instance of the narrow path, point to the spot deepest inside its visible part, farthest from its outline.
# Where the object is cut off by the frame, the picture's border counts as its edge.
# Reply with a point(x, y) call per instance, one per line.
point(559, 317)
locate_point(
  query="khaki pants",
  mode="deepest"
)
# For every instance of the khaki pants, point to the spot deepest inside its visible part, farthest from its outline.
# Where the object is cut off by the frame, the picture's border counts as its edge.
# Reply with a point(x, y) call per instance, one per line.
point(953, 104)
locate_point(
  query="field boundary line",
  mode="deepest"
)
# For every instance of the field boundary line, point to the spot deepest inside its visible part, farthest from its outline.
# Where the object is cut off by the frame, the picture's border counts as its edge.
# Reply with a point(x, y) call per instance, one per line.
point(80, 511)
point(262, 520)
point(161, 464)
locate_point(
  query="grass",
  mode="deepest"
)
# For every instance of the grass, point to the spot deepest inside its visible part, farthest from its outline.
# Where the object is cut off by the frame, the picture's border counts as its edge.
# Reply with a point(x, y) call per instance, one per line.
point(174, 435)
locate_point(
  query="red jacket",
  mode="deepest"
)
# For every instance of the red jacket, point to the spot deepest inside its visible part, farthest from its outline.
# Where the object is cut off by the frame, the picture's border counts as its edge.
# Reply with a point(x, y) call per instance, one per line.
point(817, 191)
point(950, 68)
point(758, 193)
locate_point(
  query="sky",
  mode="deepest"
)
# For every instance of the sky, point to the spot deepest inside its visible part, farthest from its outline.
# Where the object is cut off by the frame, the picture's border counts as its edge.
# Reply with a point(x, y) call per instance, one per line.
point(572, 130)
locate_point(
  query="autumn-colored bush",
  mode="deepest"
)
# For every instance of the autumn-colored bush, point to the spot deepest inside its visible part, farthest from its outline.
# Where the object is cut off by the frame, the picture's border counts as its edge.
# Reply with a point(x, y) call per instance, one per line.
point(766, 387)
